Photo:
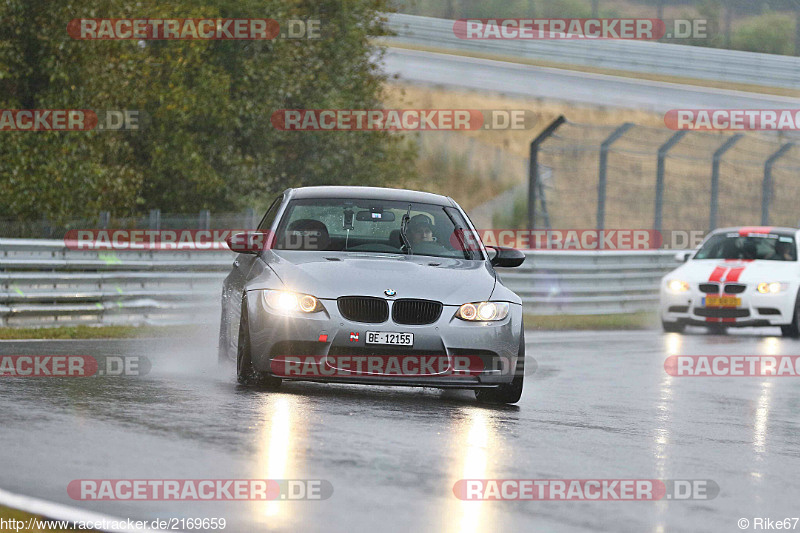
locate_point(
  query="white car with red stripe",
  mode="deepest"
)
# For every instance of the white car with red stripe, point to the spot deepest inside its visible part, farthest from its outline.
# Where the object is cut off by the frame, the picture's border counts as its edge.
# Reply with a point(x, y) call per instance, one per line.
point(738, 277)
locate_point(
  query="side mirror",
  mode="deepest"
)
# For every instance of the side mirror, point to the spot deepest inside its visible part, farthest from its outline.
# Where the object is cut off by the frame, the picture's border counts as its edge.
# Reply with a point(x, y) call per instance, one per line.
point(682, 257)
point(506, 257)
point(248, 242)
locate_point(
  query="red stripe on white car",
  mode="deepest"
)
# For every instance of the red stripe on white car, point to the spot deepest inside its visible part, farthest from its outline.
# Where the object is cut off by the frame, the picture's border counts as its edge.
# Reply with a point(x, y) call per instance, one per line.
point(734, 273)
point(716, 275)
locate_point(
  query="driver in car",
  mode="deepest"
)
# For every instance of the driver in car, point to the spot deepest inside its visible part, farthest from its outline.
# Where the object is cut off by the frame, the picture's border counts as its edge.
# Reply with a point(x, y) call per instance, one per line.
point(420, 230)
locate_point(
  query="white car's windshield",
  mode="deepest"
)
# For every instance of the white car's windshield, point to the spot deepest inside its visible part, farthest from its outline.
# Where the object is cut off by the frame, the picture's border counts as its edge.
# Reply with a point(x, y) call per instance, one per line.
point(365, 225)
point(766, 246)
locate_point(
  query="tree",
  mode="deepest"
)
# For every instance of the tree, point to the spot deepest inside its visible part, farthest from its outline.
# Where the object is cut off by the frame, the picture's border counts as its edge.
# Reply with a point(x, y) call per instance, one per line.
point(208, 142)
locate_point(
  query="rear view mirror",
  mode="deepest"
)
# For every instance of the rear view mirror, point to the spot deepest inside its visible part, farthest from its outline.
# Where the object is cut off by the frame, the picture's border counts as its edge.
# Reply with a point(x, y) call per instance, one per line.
point(375, 216)
point(682, 257)
point(506, 257)
point(249, 242)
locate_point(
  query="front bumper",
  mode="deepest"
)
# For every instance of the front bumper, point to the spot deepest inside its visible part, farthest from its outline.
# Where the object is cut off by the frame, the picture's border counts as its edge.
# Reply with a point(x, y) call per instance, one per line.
point(756, 309)
point(275, 337)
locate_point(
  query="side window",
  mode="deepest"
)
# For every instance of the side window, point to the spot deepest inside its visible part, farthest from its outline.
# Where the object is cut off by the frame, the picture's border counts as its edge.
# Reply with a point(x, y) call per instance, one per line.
point(272, 212)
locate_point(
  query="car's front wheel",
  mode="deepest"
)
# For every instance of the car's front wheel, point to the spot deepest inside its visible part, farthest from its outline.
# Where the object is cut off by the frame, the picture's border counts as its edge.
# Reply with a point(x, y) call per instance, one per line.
point(246, 373)
point(673, 327)
point(509, 392)
point(793, 329)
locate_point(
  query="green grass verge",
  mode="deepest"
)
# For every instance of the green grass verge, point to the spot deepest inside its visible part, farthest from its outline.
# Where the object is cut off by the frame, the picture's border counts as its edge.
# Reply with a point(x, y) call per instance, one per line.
point(100, 332)
point(591, 322)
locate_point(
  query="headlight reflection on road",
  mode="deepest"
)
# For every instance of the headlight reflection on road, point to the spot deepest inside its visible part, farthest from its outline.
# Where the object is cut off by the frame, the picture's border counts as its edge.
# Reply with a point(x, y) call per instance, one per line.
point(275, 446)
point(673, 345)
point(475, 445)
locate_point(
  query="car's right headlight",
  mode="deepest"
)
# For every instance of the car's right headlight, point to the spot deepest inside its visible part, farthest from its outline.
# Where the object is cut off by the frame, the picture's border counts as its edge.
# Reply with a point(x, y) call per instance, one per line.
point(289, 302)
point(771, 288)
point(676, 285)
point(483, 311)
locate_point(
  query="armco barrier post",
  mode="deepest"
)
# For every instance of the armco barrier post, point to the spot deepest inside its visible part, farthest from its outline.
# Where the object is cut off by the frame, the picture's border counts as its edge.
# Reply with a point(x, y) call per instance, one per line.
point(712, 211)
point(602, 172)
point(663, 150)
point(155, 219)
point(766, 185)
point(204, 220)
point(533, 168)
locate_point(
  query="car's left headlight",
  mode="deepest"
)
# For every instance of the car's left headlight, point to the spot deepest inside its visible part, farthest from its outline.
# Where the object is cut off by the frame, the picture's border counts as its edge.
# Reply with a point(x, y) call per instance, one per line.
point(288, 302)
point(676, 285)
point(483, 311)
point(771, 288)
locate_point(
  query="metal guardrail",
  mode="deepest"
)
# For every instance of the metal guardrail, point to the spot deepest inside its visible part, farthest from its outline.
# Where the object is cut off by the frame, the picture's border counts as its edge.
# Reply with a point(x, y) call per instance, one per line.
point(634, 56)
point(42, 283)
point(587, 283)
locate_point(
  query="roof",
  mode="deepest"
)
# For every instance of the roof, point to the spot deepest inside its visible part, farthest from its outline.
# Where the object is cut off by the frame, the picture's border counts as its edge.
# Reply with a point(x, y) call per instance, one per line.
point(377, 193)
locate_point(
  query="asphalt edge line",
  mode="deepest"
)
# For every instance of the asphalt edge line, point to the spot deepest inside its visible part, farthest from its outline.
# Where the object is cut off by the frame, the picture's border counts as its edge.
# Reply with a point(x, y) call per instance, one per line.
point(56, 511)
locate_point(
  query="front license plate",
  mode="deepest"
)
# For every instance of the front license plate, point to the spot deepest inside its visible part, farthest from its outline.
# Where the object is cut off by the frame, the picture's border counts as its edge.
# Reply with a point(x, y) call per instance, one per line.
point(723, 301)
point(388, 337)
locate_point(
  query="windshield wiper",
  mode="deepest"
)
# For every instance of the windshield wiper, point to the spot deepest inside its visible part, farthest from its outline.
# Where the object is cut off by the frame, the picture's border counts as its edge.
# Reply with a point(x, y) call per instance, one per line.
point(403, 226)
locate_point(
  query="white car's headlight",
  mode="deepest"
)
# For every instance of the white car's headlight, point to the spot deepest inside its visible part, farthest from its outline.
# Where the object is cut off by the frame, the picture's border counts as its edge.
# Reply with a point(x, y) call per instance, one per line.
point(483, 311)
point(676, 285)
point(771, 288)
point(289, 302)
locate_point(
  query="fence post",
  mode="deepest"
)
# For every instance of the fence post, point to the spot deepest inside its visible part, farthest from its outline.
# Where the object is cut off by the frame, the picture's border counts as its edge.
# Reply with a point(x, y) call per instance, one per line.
point(712, 216)
point(766, 185)
point(601, 175)
point(533, 168)
point(204, 220)
point(250, 218)
point(662, 155)
point(155, 219)
point(105, 218)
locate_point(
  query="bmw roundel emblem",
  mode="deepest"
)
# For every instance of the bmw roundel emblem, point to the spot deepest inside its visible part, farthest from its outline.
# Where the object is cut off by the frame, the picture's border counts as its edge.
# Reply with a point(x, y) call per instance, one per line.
point(390, 292)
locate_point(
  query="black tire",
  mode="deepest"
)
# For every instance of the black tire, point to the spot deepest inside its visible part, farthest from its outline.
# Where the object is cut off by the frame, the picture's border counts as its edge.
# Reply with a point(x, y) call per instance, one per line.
point(223, 350)
point(793, 330)
point(246, 374)
point(673, 327)
point(509, 392)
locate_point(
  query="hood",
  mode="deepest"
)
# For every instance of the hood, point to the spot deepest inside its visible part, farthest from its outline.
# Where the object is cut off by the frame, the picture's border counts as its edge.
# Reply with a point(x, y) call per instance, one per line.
point(329, 275)
point(705, 270)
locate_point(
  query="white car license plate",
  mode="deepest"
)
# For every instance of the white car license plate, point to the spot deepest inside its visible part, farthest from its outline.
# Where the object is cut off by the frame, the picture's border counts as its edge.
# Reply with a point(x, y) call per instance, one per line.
point(388, 337)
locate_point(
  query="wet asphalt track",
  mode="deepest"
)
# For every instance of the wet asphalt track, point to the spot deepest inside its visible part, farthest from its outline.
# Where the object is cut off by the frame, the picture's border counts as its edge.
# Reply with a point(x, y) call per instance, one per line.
point(599, 406)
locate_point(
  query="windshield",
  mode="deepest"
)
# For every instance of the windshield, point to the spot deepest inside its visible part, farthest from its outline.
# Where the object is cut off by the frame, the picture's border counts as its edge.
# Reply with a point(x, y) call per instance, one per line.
point(767, 246)
point(364, 225)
